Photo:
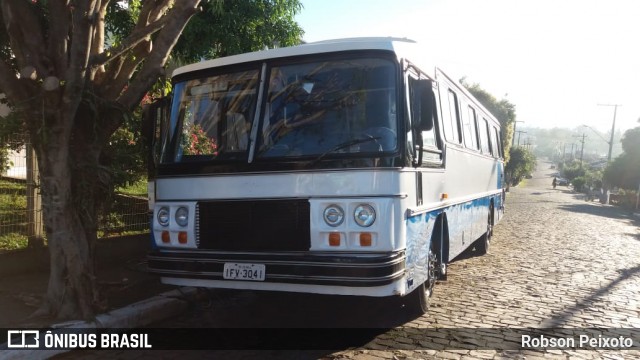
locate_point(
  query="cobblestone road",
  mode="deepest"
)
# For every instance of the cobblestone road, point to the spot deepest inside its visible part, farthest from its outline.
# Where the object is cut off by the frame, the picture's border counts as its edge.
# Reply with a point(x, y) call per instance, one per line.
point(556, 261)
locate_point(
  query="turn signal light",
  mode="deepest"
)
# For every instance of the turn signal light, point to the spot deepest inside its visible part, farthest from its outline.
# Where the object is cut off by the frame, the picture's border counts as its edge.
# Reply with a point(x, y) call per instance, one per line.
point(365, 239)
point(182, 237)
point(445, 196)
point(166, 238)
point(334, 239)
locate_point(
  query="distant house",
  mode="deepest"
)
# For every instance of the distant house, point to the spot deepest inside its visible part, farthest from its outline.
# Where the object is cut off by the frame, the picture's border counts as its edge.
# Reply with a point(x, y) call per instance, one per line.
point(17, 159)
point(599, 165)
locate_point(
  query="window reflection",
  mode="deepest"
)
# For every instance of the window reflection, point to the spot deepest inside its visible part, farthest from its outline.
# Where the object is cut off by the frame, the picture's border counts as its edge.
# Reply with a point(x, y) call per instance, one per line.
point(214, 116)
point(313, 108)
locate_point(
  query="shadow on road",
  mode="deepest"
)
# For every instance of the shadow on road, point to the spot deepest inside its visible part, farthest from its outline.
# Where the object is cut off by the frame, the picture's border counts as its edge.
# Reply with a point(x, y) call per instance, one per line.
point(247, 309)
point(541, 193)
point(563, 317)
point(294, 320)
point(606, 211)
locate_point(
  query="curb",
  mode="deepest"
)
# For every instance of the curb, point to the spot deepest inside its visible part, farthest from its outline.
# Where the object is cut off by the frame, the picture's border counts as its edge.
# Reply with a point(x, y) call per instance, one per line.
point(140, 314)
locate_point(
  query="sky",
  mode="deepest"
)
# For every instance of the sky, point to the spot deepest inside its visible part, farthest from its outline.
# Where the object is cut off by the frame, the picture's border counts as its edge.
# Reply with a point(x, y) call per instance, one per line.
point(557, 61)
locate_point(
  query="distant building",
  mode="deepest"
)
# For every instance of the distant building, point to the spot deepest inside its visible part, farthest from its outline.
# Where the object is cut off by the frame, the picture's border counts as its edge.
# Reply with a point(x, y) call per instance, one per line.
point(18, 159)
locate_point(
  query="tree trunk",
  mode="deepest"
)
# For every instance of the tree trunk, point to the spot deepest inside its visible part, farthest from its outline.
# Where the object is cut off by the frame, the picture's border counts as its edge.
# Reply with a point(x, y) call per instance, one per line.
point(67, 110)
point(71, 289)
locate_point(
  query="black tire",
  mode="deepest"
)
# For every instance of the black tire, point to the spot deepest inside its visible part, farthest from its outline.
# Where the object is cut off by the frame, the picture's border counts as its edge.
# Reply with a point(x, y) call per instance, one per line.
point(417, 302)
point(484, 243)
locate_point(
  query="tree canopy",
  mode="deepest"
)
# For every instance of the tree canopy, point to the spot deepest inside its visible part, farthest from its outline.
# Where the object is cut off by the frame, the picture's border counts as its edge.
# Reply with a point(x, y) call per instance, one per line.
point(521, 164)
point(503, 110)
point(624, 170)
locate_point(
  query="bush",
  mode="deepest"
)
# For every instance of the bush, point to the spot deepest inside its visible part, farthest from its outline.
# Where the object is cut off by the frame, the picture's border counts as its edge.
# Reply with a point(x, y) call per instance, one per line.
point(521, 164)
point(579, 182)
point(625, 199)
point(573, 171)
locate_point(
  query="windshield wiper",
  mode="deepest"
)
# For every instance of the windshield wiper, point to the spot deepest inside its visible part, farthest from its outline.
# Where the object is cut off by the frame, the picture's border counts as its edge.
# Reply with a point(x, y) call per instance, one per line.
point(342, 146)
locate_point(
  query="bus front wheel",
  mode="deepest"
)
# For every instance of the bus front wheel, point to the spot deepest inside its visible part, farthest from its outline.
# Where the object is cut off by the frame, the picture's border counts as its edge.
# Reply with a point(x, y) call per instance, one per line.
point(418, 300)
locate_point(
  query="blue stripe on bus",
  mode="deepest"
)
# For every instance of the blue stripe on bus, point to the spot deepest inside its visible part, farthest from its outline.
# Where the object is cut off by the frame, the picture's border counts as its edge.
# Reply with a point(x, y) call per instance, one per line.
point(459, 219)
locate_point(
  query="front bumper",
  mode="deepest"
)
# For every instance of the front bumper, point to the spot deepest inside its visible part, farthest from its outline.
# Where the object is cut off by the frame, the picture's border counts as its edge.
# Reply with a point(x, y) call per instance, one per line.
point(358, 269)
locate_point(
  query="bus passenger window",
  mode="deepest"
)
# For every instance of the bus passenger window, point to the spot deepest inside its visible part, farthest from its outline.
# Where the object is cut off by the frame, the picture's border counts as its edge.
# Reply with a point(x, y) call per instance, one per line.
point(469, 129)
point(452, 118)
point(483, 127)
point(497, 144)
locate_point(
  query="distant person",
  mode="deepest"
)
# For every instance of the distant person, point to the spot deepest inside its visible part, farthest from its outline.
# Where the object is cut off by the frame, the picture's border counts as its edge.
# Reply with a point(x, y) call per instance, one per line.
point(554, 182)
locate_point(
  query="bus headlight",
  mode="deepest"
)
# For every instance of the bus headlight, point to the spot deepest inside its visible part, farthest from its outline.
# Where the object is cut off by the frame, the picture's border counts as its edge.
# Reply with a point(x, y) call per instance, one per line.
point(364, 215)
point(163, 216)
point(182, 216)
point(333, 215)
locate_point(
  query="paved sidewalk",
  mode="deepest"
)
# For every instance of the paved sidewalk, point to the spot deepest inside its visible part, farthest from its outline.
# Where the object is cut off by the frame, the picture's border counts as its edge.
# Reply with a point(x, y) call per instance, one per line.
point(121, 282)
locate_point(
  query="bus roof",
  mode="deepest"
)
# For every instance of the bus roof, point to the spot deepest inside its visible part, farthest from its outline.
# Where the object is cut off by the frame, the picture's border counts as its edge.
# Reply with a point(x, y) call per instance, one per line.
point(397, 45)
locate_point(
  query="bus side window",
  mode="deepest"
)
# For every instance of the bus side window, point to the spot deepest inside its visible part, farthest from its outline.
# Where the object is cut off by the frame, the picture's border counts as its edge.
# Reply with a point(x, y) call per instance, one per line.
point(483, 128)
point(497, 144)
point(452, 118)
point(469, 129)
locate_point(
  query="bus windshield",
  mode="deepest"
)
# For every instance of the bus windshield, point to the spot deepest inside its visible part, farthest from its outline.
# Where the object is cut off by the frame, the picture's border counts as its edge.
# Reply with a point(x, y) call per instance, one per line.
point(314, 110)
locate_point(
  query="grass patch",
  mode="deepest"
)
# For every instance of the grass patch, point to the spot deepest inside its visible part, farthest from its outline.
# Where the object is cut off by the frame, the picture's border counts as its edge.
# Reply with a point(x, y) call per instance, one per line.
point(13, 213)
point(127, 215)
point(13, 241)
point(7, 186)
point(136, 189)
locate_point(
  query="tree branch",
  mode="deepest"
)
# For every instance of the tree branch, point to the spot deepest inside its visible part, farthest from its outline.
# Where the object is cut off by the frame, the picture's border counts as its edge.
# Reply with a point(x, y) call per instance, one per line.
point(59, 17)
point(75, 77)
point(126, 68)
point(25, 34)
point(136, 37)
point(120, 73)
point(152, 10)
point(152, 68)
point(10, 85)
point(97, 45)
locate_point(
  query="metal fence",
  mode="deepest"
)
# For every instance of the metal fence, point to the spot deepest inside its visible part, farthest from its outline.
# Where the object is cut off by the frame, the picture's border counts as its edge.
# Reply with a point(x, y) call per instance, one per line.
point(21, 209)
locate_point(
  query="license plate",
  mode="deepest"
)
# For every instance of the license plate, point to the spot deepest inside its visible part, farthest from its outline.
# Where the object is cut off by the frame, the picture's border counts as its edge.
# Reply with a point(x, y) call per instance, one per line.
point(242, 271)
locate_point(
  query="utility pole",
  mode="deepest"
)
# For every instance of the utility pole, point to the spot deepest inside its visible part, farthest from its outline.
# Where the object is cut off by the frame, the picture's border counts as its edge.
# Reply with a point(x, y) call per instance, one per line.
point(513, 141)
point(605, 186)
point(582, 147)
point(520, 132)
point(613, 127)
point(573, 153)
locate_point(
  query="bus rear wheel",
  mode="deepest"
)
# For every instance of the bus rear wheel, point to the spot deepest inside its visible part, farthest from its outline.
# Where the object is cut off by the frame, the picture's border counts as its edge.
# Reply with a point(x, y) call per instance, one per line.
point(485, 240)
point(418, 300)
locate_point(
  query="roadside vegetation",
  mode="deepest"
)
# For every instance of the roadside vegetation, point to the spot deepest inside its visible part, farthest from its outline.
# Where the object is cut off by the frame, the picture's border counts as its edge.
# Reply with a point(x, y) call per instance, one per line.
point(13, 207)
point(520, 166)
point(74, 73)
point(621, 176)
point(127, 215)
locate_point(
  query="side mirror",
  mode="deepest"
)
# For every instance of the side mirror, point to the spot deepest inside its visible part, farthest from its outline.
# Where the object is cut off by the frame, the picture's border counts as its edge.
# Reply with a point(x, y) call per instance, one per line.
point(154, 121)
point(427, 105)
point(153, 117)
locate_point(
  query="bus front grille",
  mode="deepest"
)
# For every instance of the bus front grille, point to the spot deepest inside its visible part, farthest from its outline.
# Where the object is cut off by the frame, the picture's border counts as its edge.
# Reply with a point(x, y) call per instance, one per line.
point(256, 225)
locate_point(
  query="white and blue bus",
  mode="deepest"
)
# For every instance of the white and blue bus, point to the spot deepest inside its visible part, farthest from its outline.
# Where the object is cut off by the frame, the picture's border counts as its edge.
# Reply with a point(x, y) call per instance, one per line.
point(339, 167)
